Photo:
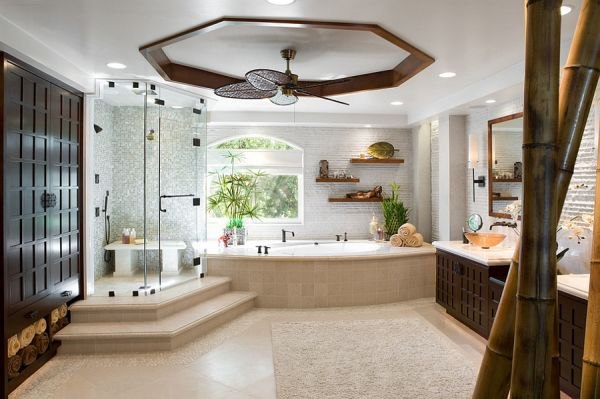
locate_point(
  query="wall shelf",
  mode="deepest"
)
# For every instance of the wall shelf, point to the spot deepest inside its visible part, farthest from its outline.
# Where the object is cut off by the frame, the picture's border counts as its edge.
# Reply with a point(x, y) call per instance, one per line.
point(355, 199)
point(505, 198)
point(501, 180)
point(377, 161)
point(336, 180)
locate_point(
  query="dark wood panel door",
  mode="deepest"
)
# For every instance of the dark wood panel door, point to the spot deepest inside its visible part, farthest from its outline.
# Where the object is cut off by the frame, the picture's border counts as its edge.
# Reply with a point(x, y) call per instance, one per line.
point(27, 140)
point(64, 218)
point(474, 295)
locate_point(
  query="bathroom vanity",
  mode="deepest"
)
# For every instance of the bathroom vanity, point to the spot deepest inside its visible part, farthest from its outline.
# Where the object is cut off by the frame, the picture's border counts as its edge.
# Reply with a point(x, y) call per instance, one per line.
point(469, 284)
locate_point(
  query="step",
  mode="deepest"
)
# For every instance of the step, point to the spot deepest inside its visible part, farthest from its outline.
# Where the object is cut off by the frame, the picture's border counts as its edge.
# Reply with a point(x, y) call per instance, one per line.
point(149, 307)
point(149, 336)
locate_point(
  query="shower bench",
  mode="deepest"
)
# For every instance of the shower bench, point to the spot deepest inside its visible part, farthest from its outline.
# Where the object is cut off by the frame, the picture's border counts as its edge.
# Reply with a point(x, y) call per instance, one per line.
point(126, 256)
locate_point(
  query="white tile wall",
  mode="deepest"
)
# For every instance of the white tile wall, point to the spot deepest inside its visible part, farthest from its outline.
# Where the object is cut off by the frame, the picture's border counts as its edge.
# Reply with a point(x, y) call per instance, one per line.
point(337, 145)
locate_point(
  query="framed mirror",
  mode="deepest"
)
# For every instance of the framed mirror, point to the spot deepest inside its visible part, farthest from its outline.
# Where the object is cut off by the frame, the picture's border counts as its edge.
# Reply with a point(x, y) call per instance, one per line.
point(505, 168)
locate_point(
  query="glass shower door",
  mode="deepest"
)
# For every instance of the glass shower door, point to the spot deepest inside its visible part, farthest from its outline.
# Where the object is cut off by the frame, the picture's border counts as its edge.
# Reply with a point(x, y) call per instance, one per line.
point(181, 141)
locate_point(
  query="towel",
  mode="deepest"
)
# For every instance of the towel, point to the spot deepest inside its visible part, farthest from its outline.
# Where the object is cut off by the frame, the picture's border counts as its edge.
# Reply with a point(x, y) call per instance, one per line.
point(397, 241)
point(54, 316)
point(13, 345)
point(14, 365)
point(26, 335)
point(62, 310)
point(415, 240)
point(406, 230)
point(30, 353)
point(41, 342)
point(40, 326)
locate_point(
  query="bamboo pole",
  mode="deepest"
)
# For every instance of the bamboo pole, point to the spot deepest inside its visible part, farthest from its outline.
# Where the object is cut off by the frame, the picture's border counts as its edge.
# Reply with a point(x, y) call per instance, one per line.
point(577, 90)
point(590, 378)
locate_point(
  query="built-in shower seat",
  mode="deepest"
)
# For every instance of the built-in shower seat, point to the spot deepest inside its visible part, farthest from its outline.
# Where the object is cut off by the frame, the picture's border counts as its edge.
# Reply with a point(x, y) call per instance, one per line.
point(126, 256)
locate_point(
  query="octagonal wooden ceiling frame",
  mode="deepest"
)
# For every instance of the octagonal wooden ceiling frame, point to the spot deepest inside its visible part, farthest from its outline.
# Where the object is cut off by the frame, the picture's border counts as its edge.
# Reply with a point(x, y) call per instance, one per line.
point(415, 62)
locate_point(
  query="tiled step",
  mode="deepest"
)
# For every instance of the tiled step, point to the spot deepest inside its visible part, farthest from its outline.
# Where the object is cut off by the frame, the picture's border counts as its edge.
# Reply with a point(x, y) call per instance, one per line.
point(150, 307)
point(148, 336)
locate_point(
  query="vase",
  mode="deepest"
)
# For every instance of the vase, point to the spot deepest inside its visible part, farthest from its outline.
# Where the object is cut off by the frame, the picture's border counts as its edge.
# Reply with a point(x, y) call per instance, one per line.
point(239, 232)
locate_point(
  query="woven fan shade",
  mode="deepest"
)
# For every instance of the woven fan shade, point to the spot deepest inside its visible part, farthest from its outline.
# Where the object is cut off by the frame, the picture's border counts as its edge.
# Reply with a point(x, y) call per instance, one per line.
point(244, 91)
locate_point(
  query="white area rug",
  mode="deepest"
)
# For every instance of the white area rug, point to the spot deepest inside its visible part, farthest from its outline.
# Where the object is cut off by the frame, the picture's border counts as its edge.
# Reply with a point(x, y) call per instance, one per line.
point(379, 359)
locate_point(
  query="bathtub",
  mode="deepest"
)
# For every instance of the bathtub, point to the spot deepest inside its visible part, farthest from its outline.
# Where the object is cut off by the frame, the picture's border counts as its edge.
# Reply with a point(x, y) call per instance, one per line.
point(309, 274)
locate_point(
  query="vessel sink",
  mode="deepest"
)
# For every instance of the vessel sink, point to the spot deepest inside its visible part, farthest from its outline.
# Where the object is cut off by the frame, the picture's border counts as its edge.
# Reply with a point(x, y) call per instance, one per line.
point(485, 240)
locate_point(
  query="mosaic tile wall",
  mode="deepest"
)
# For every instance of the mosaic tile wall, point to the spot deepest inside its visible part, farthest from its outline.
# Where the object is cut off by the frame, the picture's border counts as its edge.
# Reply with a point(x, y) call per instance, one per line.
point(119, 154)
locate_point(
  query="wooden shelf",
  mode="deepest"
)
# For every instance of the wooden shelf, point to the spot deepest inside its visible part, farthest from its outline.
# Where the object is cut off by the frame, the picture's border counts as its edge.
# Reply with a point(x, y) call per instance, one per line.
point(377, 161)
point(335, 180)
point(355, 200)
point(500, 180)
point(505, 198)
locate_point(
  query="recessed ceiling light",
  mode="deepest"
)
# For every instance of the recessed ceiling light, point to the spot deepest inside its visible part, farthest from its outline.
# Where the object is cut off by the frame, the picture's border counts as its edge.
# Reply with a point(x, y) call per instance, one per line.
point(564, 10)
point(177, 106)
point(447, 75)
point(490, 101)
point(116, 65)
point(368, 126)
point(397, 103)
point(281, 2)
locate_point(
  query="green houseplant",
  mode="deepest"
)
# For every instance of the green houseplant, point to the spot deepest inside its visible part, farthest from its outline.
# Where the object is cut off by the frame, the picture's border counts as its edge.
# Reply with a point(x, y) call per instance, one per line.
point(234, 197)
point(395, 213)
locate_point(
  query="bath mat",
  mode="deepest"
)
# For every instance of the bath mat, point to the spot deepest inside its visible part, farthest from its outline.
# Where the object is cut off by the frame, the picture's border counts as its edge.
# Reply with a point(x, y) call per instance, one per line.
point(360, 359)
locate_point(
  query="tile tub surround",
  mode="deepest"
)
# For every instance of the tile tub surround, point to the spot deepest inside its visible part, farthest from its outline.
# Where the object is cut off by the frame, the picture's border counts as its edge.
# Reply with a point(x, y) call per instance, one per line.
point(321, 281)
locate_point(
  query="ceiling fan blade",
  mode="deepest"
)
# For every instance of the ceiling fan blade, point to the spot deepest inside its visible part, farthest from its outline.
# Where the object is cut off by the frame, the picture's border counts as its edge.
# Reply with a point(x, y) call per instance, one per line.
point(267, 79)
point(325, 83)
point(243, 90)
point(324, 98)
point(282, 99)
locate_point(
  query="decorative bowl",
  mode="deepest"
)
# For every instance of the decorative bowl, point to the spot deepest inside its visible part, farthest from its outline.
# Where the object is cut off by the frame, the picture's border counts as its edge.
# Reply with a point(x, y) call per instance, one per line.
point(485, 240)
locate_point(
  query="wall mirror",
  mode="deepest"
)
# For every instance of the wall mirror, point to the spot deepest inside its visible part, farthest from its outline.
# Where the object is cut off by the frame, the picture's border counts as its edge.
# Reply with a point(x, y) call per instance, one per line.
point(505, 167)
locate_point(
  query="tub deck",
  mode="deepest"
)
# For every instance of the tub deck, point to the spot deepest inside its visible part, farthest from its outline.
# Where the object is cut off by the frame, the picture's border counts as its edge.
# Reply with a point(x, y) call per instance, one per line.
point(282, 280)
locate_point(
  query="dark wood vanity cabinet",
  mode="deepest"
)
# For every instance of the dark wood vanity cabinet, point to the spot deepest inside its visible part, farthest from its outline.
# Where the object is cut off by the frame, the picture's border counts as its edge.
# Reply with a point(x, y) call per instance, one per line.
point(462, 287)
point(572, 314)
point(42, 127)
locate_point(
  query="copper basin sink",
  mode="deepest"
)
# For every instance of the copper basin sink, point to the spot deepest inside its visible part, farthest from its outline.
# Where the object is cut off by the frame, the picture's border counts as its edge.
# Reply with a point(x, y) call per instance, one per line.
point(485, 240)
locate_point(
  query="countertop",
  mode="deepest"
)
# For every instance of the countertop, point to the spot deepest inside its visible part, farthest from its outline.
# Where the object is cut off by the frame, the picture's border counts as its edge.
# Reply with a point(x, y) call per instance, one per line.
point(575, 284)
point(496, 256)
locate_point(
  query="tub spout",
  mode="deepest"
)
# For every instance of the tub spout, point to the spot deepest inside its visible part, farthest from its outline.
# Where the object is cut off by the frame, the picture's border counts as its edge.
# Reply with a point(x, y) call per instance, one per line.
point(284, 232)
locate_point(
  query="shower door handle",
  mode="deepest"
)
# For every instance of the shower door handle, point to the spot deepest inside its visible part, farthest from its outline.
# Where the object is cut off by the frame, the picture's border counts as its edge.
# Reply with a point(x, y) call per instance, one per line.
point(171, 196)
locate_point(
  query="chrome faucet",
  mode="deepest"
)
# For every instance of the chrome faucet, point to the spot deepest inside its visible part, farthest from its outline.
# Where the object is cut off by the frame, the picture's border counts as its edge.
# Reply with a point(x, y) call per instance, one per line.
point(512, 225)
point(283, 233)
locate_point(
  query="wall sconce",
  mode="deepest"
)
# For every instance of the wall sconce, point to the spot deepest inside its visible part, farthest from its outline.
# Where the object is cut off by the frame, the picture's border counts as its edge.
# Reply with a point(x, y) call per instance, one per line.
point(473, 158)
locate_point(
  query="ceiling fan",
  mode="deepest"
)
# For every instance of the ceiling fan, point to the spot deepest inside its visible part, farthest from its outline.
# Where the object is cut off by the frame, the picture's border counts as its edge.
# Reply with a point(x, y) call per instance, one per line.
point(281, 88)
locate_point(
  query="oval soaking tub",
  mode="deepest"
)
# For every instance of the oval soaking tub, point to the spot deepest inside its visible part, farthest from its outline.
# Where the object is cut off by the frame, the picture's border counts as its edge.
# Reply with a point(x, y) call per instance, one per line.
point(300, 274)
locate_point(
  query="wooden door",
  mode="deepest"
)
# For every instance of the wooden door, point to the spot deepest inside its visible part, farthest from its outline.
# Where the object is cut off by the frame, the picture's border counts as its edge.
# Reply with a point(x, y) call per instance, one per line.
point(474, 295)
point(27, 161)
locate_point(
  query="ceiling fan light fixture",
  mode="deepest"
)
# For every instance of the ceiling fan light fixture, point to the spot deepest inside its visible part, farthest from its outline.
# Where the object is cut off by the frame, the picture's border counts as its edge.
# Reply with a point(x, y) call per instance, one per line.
point(281, 2)
point(284, 97)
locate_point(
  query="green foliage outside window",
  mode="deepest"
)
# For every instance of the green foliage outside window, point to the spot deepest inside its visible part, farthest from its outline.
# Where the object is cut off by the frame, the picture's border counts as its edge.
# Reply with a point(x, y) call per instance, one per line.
point(254, 143)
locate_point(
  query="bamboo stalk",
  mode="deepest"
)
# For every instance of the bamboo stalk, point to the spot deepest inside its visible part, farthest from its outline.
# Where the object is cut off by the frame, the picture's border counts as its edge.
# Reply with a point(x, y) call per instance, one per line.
point(576, 95)
point(533, 374)
point(590, 376)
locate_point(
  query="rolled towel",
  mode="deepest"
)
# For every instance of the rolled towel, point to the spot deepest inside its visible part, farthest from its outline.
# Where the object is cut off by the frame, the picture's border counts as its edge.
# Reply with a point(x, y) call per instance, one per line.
point(62, 322)
point(13, 345)
point(54, 316)
point(26, 335)
point(407, 230)
point(29, 353)
point(14, 365)
point(54, 329)
point(41, 342)
point(397, 241)
point(415, 240)
point(62, 310)
point(40, 326)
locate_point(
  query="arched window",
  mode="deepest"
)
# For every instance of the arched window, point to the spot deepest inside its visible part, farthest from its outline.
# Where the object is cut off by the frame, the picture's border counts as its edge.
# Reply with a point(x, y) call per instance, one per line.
point(279, 193)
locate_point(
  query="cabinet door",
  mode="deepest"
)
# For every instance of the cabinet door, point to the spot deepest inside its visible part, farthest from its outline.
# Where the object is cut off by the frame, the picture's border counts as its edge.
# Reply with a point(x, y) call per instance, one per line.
point(26, 174)
point(446, 289)
point(474, 295)
point(64, 185)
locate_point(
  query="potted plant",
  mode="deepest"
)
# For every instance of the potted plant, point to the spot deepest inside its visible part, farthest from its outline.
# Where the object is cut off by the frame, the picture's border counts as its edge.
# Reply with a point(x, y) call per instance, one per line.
point(395, 213)
point(234, 197)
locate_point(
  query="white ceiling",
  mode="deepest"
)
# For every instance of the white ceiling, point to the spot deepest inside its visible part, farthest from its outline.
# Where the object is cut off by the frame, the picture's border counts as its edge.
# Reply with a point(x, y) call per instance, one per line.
point(480, 40)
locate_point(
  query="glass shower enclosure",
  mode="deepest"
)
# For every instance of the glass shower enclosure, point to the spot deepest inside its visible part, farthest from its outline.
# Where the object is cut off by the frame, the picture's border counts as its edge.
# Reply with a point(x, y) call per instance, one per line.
point(149, 170)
